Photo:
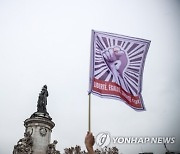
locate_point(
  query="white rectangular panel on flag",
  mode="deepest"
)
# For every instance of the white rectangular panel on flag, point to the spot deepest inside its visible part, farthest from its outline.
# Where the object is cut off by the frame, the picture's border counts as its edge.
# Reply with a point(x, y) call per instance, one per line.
point(116, 67)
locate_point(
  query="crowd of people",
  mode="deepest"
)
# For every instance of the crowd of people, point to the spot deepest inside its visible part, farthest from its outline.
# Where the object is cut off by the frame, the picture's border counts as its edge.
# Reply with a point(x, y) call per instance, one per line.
point(89, 143)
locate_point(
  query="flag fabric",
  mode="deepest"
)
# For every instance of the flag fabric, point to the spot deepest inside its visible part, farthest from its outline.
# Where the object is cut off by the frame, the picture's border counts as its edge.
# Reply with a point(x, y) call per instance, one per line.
point(116, 67)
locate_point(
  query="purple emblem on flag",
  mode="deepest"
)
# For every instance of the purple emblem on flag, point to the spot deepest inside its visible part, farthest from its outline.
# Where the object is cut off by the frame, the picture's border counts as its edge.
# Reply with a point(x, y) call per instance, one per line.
point(117, 64)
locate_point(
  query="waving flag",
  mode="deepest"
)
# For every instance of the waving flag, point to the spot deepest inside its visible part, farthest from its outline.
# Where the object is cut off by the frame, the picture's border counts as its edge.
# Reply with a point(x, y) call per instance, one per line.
point(116, 69)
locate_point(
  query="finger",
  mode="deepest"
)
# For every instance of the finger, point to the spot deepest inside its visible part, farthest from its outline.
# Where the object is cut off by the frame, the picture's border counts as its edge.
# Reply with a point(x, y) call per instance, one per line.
point(108, 55)
point(93, 140)
point(111, 53)
point(105, 56)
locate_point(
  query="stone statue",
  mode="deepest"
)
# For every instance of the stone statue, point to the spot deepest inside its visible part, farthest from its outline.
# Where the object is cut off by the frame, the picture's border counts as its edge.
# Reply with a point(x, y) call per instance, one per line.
point(74, 150)
point(24, 145)
point(42, 100)
point(51, 149)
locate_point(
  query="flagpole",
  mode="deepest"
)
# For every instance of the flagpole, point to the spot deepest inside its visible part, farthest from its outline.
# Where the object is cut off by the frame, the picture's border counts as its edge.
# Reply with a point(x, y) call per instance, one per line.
point(89, 114)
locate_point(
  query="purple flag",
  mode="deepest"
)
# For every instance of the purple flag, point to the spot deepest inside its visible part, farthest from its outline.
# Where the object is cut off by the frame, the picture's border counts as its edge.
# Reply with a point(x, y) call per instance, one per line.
point(116, 69)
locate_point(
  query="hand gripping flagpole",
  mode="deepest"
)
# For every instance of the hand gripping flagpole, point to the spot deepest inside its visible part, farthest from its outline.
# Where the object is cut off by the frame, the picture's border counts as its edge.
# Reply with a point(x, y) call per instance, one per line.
point(89, 113)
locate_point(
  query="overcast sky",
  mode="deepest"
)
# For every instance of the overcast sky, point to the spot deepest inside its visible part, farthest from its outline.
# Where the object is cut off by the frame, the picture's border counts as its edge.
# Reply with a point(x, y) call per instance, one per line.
point(48, 42)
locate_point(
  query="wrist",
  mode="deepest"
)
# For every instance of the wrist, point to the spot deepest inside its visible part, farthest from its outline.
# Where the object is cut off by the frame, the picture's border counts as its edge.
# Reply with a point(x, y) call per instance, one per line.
point(90, 150)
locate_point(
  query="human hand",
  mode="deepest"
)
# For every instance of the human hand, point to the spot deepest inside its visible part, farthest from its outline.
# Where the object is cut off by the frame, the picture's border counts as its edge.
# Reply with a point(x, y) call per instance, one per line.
point(116, 60)
point(89, 142)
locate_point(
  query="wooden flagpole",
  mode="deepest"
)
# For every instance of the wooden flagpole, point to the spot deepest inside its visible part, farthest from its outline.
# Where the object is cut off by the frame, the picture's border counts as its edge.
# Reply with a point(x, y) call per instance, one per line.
point(89, 114)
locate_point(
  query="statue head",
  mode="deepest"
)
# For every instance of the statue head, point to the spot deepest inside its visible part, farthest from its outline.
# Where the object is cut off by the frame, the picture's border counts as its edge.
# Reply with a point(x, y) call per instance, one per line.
point(55, 141)
point(45, 87)
point(27, 134)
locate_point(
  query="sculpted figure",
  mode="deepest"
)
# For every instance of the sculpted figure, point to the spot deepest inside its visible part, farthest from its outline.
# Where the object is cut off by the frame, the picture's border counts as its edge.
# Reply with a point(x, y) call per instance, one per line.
point(42, 100)
point(52, 148)
point(24, 145)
